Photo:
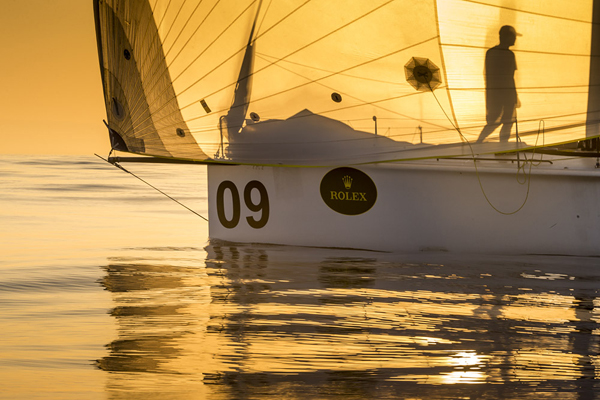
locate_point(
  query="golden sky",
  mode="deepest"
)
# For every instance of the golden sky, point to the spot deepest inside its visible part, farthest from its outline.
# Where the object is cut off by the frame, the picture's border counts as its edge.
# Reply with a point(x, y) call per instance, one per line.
point(51, 98)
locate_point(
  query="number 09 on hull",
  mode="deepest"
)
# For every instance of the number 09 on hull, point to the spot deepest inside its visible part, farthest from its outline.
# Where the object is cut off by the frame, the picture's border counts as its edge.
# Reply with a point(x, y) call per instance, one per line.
point(407, 208)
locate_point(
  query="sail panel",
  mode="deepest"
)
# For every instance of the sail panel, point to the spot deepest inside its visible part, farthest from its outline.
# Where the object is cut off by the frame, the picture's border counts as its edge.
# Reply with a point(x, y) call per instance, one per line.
point(142, 108)
point(348, 66)
point(324, 82)
point(552, 53)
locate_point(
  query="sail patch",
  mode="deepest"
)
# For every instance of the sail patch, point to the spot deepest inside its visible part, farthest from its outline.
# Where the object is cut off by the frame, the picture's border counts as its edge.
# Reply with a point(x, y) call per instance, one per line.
point(205, 106)
point(422, 74)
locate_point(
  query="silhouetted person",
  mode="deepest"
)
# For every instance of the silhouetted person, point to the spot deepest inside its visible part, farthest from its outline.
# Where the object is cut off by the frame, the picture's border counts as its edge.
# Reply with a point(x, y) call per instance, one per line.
point(501, 98)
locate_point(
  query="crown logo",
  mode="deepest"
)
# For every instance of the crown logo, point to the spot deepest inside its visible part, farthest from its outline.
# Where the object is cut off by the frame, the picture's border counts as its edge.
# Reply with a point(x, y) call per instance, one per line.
point(347, 182)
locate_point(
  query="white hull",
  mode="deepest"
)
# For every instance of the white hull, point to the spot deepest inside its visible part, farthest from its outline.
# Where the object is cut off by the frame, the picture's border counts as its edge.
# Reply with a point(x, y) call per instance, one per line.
point(420, 206)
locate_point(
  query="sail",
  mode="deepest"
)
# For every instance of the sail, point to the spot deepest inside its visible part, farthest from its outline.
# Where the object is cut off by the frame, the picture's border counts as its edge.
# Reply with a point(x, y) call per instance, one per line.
point(142, 107)
point(328, 82)
point(553, 55)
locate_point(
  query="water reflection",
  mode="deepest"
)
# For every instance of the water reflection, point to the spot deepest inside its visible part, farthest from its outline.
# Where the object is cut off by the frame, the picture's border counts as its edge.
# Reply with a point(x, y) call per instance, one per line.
point(254, 321)
point(147, 337)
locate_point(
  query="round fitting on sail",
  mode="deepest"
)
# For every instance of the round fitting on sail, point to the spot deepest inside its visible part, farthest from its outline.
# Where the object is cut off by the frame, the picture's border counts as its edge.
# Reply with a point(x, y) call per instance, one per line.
point(254, 116)
point(422, 74)
point(180, 132)
point(336, 97)
point(127, 54)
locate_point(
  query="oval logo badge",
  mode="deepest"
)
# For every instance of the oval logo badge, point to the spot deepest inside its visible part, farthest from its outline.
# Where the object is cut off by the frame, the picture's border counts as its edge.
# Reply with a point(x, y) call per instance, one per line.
point(348, 191)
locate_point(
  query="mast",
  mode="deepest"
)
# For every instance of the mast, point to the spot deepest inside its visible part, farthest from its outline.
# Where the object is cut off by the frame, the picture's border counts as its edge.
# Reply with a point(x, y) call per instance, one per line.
point(593, 112)
point(241, 99)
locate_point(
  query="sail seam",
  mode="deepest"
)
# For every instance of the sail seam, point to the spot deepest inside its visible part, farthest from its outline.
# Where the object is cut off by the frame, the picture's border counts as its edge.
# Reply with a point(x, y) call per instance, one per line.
point(527, 12)
point(283, 58)
point(444, 69)
point(156, 61)
point(319, 79)
point(295, 51)
point(190, 64)
point(198, 28)
point(182, 28)
point(520, 50)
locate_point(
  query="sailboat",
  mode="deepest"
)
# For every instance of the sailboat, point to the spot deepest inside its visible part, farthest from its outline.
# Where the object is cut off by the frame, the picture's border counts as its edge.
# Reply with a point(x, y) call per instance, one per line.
point(389, 125)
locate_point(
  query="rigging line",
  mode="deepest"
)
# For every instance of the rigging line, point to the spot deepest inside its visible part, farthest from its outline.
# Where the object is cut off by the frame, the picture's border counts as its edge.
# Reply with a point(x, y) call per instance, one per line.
point(271, 63)
point(112, 24)
point(231, 56)
point(528, 12)
point(211, 43)
point(529, 161)
point(363, 102)
point(184, 25)
point(443, 60)
point(135, 93)
point(163, 16)
point(153, 187)
point(466, 46)
point(122, 67)
point(130, 42)
point(542, 129)
point(268, 58)
point(519, 156)
point(262, 21)
point(141, 99)
point(276, 63)
point(312, 81)
point(105, 48)
point(477, 169)
point(166, 71)
point(531, 89)
point(300, 48)
point(556, 128)
point(561, 116)
point(144, 61)
point(243, 48)
point(128, 70)
point(216, 130)
point(354, 106)
point(150, 22)
point(156, 73)
point(373, 103)
point(142, 65)
point(191, 36)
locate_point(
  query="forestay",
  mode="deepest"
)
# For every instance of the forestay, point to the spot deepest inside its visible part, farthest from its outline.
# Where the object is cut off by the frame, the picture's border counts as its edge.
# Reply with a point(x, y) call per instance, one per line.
point(332, 82)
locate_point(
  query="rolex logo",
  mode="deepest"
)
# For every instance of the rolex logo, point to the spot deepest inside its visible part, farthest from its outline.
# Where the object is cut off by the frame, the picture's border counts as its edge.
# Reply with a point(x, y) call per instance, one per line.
point(347, 182)
point(358, 195)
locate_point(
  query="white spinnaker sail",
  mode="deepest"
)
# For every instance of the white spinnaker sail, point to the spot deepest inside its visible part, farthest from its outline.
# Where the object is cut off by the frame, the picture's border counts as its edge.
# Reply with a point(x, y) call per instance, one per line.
point(552, 55)
point(326, 82)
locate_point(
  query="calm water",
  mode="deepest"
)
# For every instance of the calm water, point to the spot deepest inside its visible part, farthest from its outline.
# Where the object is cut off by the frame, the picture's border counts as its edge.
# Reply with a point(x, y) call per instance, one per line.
point(110, 291)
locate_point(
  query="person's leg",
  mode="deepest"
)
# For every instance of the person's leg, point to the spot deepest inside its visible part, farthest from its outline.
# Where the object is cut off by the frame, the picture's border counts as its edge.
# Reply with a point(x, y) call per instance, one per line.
point(487, 131)
point(492, 118)
point(505, 131)
point(507, 120)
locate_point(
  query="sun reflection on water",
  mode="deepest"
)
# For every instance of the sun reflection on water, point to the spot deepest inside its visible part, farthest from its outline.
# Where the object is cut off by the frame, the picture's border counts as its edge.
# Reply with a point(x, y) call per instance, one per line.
point(250, 316)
